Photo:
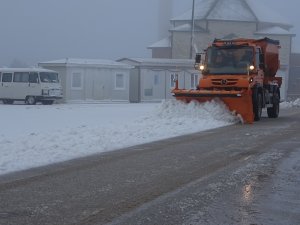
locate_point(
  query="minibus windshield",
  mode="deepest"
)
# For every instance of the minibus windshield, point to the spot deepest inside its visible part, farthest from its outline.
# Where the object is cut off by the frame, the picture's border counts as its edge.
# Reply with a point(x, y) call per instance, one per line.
point(48, 77)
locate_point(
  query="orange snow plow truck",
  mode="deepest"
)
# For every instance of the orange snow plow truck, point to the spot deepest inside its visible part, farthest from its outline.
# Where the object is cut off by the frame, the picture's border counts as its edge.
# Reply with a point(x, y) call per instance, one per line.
point(242, 73)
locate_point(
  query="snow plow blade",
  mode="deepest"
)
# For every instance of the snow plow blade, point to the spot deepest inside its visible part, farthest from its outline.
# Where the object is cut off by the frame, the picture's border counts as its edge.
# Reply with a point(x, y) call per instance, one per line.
point(239, 102)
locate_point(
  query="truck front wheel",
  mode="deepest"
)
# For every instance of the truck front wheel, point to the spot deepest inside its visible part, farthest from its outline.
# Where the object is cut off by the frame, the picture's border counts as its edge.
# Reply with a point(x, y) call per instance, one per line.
point(257, 106)
point(273, 112)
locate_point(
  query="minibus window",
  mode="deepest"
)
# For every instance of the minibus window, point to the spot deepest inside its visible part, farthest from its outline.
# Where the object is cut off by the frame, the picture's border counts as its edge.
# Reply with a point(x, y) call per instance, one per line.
point(7, 77)
point(33, 77)
point(21, 77)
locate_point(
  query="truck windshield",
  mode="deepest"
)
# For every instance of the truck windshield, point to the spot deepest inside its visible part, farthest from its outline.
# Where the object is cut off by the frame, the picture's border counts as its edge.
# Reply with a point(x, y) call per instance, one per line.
point(48, 77)
point(229, 60)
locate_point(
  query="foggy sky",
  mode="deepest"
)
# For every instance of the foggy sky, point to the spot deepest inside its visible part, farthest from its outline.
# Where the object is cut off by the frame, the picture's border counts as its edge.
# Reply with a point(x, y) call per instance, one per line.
point(40, 30)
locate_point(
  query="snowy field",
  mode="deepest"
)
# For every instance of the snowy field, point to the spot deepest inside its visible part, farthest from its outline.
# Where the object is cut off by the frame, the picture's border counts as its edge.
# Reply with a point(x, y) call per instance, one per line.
point(38, 135)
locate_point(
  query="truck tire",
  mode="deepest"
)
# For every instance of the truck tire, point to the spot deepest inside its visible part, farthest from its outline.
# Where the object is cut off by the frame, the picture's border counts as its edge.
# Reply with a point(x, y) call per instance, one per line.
point(30, 100)
point(8, 101)
point(257, 106)
point(273, 112)
point(47, 102)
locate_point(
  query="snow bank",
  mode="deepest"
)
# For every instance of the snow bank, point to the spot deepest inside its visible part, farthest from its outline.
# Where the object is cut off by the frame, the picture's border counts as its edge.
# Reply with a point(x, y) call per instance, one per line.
point(100, 134)
point(290, 104)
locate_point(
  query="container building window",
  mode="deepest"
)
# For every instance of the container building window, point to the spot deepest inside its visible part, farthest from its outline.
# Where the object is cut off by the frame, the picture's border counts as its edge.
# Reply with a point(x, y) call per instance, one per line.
point(194, 81)
point(120, 81)
point(76, 81)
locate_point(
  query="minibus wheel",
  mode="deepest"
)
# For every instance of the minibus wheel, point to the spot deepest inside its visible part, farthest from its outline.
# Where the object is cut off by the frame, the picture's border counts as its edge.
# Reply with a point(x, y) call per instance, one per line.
point(30, 100)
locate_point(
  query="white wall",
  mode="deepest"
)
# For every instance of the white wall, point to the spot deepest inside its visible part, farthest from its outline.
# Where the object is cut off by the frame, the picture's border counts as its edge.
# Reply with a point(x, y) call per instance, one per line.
point(98, 84)
point(162, 90)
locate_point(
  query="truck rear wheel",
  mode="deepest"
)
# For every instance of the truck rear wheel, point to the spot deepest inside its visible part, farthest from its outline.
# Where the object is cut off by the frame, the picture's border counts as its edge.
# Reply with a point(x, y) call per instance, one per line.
point(47, 102)
point(273, 112)
point(8, 101)
point(257, 106)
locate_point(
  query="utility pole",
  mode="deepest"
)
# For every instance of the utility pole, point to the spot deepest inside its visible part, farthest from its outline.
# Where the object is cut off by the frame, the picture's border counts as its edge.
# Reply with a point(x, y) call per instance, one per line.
point(192, 30)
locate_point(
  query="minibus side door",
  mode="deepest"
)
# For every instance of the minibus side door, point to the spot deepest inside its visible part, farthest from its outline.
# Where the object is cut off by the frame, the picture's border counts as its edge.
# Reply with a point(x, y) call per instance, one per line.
point(34, 85)
point(20, 85)
point(6, 86)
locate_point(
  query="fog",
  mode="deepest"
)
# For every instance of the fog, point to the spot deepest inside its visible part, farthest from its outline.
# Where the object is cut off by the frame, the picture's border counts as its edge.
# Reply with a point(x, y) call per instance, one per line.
point(39, 30)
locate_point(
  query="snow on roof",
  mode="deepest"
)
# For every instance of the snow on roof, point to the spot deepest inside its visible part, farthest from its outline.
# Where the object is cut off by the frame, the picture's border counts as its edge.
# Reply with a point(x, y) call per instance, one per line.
point(159, 62)
point(184, 27)
point(236, 10)
point(88, 62)
point(274, 30)
point(231, 36)
point(166, 42)
point(265, 14)
point(201, 10)
point(187, 27)
point(30, 69)
point(163, 43)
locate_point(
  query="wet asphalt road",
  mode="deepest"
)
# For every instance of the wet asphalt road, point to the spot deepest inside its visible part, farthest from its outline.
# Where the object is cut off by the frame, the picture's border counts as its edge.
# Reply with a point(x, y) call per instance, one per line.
point(242, 174)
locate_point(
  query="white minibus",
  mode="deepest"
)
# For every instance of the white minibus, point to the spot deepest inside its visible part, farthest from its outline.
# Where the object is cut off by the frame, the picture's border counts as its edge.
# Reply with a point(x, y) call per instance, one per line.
point(31, 85)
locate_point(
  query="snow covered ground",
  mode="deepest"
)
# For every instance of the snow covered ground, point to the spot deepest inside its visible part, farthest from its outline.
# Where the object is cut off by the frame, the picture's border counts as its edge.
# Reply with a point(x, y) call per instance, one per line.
point(38, 135)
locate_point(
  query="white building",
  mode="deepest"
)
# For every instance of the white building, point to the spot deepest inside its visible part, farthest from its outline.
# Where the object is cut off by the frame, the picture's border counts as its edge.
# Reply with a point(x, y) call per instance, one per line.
point(92, 79)
point(153, 79)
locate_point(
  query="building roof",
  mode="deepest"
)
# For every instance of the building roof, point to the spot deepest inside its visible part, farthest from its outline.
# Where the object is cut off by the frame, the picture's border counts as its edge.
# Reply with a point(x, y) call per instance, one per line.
point(274, 31)
point(159, 62)
point(234, 10)
point(31, 69)
point(188, 27)
point(163, 43)
point(103, 63)
point(201, 10)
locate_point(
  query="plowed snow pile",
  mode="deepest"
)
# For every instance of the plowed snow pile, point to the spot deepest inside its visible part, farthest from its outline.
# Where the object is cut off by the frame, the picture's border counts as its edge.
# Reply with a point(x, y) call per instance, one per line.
point(290, 104)
point(42, 135)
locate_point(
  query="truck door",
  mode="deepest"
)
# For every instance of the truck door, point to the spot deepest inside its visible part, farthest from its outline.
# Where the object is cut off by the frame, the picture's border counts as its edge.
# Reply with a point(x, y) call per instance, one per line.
point(259, 62)
point(6, 86)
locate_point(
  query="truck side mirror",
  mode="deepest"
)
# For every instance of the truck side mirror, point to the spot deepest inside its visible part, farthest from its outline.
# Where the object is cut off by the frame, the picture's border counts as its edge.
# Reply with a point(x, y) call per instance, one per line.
point(261, 58)
point(262, 66)
point(261, 61)
point(198, 58)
